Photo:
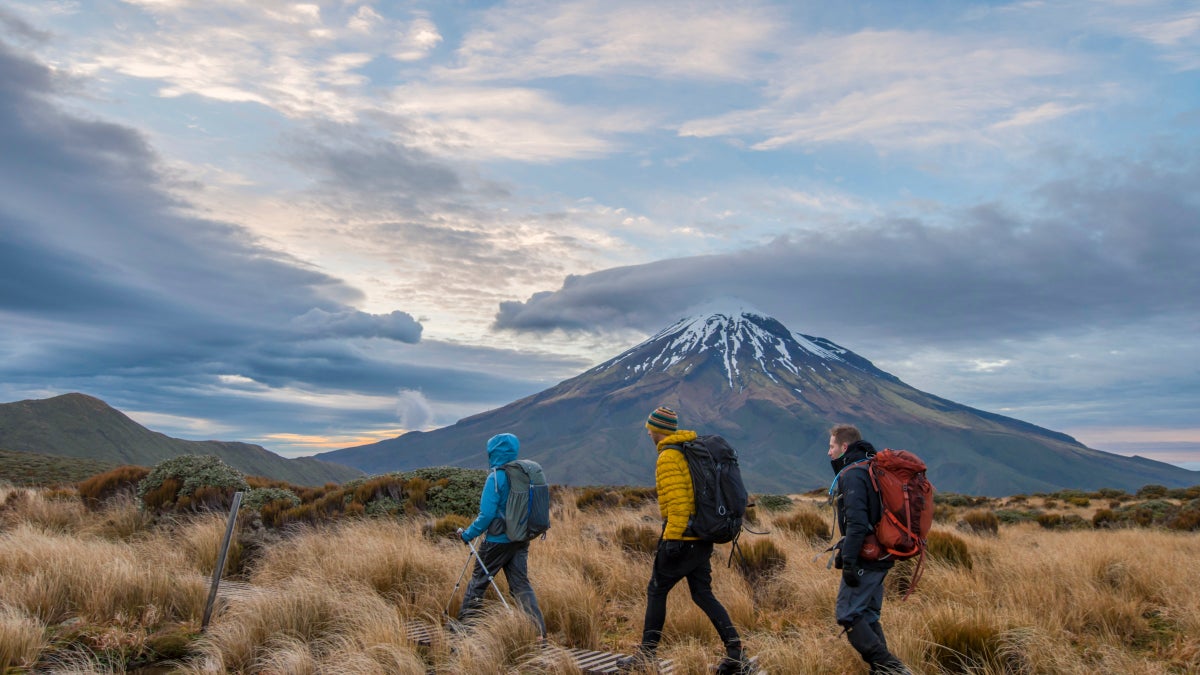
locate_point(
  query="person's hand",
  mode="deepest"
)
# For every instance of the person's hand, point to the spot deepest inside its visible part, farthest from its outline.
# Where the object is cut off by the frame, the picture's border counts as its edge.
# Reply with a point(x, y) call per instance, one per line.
point(851, 573)
point(462, 535)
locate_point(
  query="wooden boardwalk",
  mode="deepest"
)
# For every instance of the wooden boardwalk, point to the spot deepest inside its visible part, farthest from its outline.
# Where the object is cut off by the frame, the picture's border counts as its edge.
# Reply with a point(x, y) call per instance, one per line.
point(424, 633)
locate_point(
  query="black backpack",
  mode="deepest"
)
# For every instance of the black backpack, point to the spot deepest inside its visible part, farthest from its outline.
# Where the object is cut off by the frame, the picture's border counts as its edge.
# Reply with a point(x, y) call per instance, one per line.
point(721, 496)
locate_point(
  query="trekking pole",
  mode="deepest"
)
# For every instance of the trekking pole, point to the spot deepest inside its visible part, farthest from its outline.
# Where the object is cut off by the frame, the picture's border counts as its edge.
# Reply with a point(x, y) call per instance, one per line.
point(483, 567)
point(458, 583)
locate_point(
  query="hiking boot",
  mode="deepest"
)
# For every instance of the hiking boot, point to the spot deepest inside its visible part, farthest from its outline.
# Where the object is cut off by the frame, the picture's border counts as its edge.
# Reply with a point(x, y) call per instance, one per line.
point(638, 662)
point(732, 666)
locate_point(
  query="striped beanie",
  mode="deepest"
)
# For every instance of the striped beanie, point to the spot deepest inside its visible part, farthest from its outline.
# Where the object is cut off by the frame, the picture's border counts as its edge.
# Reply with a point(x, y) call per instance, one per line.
point(663, 420)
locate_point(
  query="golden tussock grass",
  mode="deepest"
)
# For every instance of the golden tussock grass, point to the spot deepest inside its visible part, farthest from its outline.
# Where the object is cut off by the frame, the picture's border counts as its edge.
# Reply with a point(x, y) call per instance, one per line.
point(22, 638)
point(336, 598)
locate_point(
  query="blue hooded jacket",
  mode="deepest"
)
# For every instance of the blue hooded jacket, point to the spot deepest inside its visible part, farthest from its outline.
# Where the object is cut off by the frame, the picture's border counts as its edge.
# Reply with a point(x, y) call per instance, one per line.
point(501, 449)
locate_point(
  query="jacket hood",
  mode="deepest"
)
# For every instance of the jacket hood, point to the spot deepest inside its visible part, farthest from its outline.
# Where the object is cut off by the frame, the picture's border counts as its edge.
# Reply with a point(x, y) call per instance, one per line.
point(502, 449)
point(681, 436)
point(857, 450)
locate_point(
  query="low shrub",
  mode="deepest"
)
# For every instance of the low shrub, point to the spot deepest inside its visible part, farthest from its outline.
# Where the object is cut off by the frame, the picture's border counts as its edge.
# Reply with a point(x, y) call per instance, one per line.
point(446, 527)
point(949, 548)
point(806, 523)
point(190, 483)
point(451, 490)
point(1056, 521)
point(100, 488)
point(1105, 518)
point(955, 499)
point(258, 497)
point(1152, 492)
point(1050, 520)
point(1011, 516)
point(637, 538)
point(595, 499)
point(981, 522)
point(1187, 518)
point(944, 513)
point(759, 560)
point(773, 502)
point(961, 644)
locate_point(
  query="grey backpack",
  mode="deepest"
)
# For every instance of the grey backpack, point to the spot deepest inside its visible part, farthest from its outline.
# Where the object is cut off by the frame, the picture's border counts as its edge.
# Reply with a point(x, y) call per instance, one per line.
point(527, 512)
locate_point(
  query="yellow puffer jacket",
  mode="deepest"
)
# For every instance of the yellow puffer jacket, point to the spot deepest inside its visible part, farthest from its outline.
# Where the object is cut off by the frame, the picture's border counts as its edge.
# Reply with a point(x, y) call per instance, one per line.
point(676, 501)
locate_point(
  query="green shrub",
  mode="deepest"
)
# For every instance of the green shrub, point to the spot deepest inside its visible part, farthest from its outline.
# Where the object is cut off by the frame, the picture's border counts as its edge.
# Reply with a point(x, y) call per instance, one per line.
point(190, 482)
point(1079, 501)
point(955, 499)
point(257, 498)
point(1147, 513)
point(1011, 516)
point(452, 489)
point(773, 502)
point(950, 549)
point(806, 523)
point(1187, 518)
point(981, 521)
point(1185, 494)
point(1152, 492)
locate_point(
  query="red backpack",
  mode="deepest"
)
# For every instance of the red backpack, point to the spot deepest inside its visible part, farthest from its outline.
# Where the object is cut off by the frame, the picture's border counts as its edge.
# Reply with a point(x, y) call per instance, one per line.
point(906, 497)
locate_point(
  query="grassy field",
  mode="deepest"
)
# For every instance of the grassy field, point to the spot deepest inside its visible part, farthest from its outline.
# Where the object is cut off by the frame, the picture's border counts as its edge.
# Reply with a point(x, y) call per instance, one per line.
point(28, 468)
point(109, 590)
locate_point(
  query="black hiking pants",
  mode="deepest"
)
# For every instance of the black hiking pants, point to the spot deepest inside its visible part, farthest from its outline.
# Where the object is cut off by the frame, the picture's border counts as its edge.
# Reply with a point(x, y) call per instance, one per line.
point(676, 560)
point(513, 559)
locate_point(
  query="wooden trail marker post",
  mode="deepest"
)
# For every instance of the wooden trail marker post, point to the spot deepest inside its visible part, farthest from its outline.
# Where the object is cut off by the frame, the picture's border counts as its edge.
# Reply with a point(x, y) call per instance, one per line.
point(216, 580)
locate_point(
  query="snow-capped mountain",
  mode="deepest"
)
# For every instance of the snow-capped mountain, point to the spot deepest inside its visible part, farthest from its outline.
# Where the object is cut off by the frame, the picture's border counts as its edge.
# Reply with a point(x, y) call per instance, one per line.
point(773, 393)
point(747, 343)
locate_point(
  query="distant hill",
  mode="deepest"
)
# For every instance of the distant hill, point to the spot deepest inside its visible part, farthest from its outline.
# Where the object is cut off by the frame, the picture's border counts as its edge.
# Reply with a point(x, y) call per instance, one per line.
point(84, 427)
point(774, 394)
point(30, 468)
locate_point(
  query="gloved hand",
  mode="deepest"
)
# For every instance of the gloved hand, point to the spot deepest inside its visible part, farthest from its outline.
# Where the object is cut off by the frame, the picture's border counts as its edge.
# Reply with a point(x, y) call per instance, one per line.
point(851, 573)
point(463, 535)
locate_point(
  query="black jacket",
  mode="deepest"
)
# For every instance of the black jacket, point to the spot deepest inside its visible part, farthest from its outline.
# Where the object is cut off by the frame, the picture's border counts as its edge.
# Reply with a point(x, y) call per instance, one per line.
point(857, 504)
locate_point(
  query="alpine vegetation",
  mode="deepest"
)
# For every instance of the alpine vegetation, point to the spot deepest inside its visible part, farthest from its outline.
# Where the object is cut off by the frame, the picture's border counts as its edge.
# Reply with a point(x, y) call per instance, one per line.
point(112, 588)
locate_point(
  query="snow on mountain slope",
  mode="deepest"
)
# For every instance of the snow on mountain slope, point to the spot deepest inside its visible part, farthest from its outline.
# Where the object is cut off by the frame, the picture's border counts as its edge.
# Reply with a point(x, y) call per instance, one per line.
point(741, 337)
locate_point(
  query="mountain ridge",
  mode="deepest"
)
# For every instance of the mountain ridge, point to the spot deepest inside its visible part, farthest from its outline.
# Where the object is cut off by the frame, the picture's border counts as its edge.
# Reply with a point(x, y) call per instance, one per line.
point(773, 393)
point(81, 426)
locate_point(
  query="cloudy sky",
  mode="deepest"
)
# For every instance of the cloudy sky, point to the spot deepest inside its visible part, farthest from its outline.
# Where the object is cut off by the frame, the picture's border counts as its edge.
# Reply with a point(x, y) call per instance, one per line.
point(312, 225)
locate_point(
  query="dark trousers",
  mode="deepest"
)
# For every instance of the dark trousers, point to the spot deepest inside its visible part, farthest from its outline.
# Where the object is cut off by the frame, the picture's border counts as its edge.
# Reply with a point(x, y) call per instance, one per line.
point(676, 560)
point(864, 600)
point(513, 559)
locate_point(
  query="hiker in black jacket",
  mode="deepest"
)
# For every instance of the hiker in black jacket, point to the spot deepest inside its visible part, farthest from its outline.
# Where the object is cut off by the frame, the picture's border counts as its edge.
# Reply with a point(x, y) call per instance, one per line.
point(860, 595)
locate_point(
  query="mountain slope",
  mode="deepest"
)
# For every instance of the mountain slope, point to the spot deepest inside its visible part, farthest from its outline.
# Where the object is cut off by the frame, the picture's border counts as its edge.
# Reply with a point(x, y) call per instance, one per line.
point(76, 425)
point(773, 394)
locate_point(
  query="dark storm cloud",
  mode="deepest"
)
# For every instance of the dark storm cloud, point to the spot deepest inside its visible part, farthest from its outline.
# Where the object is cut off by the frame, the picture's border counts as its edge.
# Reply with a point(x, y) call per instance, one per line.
point(318, 323)
point(106, 287)
point(1095, 252)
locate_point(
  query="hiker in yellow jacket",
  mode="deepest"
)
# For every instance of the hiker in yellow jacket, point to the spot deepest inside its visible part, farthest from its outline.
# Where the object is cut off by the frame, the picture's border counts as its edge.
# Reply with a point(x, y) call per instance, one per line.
point(679, 556)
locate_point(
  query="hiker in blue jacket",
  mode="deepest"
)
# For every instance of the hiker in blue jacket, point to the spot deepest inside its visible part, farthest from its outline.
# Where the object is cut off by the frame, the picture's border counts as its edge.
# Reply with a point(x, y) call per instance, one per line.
point(860, 594)
point(497, 552)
